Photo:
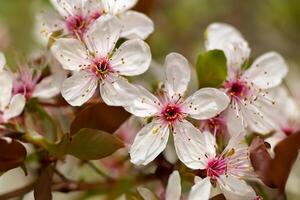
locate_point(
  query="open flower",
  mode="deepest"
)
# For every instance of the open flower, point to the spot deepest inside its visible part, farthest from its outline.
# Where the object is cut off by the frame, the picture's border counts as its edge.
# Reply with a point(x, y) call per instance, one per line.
point(29, 82)
point(226, 171)
point(169, 112)
point(250, 104)
point(286, 115)
point(11, 105)
point(76, 16)
point(97, 62)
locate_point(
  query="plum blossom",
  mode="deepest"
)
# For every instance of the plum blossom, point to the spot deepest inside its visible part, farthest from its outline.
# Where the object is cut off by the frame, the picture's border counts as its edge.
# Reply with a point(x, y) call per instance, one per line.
point(76, 16)
point(286, 115)
point(226, 171)
point(250, 106)
point(29, 82)
point(11, 105)
point(169, 112)
point(97, 62)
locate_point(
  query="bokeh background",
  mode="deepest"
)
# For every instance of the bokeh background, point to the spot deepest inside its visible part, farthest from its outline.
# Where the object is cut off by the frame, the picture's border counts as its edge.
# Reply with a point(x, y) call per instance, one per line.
point(179, 26)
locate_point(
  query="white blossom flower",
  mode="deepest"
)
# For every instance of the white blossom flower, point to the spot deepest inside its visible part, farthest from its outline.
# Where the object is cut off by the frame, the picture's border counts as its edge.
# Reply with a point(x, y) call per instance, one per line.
point(75, 17)
point(286, 115)
point(97, 62)
point(226, 171)
point(27, 83)
point(11, 105)
point(250, 104)
point(169, 112)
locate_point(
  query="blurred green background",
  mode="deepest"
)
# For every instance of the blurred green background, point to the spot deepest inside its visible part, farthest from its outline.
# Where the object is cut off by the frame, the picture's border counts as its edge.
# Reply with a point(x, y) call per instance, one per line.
point(266, 24)
point(179, 27)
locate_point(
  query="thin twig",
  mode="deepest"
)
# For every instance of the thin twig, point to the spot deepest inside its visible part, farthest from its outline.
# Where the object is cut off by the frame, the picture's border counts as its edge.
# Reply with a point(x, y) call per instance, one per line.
point(97, 170)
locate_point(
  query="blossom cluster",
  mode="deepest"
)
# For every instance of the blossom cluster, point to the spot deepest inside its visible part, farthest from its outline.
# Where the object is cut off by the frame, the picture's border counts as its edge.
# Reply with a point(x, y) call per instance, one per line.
point(99, 45)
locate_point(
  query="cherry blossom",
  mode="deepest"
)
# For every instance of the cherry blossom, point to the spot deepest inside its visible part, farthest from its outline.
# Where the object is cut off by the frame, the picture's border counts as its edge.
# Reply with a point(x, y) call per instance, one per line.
point(286, 115)
point(250, 106)
point(97, 62)
point(226, 171)
point(169, 112)
point(76, 16)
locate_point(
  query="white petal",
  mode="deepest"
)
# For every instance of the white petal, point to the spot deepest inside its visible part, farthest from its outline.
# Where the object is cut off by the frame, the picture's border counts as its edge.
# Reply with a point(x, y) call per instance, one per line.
point(178, 74)
point(190, 145)
point(91, 7)
point(15, 107)
point(79, 88)
point(206, 103)
point(2, 61)
point(103, 35)
point(118, 6)
point(68, 7)
point(149, 143)
point(170, 153)
point(267, 71)
point(227, 38)
point(6, 85)
point(70, 53)
point(145, 193)
point(144, 104)
point(234, 119)
point(236, 189)
point(48, 22)
point(210, 143)
point(49, 87)
point(117, 91)
point(173, 191)
point(201, 190)
point(136, 25)
point(132, 58)
point(258, 116)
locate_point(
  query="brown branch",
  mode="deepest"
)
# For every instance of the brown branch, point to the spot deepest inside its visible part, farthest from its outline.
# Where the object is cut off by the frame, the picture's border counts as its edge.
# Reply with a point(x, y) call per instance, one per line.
point(18, 192)
point(73, 186)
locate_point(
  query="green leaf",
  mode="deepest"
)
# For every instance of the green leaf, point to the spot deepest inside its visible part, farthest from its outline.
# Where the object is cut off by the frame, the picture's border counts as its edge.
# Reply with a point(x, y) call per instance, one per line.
point(101, 117)
point(87, 144)
point(12, 154)
point(211, 69)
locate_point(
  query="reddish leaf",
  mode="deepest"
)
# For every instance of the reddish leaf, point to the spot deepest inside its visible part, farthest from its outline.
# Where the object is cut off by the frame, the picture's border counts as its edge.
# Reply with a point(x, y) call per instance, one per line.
point(218, 197)
point(275, 172)
point(12, 154)
point(286, 153)
point(101, 117)
point(145, 6)
point(42, 187)
point(261, 160)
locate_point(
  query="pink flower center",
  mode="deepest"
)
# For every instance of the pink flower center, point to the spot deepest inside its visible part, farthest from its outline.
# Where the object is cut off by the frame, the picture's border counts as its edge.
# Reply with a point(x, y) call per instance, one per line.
point(26, 82)
point(78, 24)
point(288, 131)
point(171, 113)
point(237, 89)
point(101, 67)
point(215, 125)
point(216, 167)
